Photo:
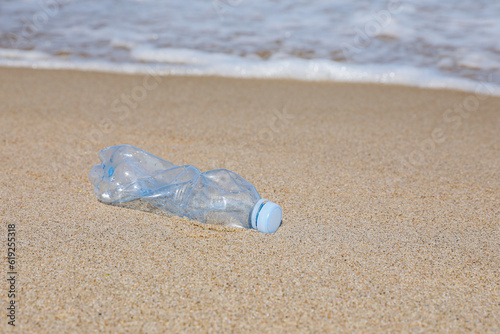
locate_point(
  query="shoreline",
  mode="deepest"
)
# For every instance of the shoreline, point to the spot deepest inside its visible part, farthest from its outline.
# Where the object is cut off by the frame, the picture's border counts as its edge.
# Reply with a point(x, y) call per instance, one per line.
point(390, 198)
point(358, 74)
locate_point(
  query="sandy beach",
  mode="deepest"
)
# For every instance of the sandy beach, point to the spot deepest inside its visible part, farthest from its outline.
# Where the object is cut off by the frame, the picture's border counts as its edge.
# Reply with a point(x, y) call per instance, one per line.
point(390, 197)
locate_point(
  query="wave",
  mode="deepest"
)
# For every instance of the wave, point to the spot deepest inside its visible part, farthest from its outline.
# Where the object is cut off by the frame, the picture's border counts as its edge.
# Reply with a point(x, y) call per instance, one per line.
point(179, 61)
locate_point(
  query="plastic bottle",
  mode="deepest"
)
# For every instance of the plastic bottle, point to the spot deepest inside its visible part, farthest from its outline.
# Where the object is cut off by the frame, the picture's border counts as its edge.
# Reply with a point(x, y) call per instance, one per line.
point(218, 196)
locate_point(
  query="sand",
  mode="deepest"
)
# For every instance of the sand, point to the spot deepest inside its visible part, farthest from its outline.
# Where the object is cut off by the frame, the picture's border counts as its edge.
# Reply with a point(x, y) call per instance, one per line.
point(391, 206)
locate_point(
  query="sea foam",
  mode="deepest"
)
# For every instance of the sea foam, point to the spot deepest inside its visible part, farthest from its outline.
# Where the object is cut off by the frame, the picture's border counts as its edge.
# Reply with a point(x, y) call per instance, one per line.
point(447, 44)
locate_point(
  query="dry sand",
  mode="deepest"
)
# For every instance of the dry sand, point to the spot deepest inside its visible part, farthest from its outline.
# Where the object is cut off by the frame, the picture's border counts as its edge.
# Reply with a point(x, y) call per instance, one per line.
point(391, 213)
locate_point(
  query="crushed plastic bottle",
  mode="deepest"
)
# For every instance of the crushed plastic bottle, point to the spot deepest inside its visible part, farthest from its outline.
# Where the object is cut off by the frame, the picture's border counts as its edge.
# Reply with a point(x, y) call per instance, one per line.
point(218, 196)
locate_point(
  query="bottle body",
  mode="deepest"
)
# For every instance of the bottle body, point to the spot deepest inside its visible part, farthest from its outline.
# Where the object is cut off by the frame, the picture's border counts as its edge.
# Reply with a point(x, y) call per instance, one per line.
point(218, 196)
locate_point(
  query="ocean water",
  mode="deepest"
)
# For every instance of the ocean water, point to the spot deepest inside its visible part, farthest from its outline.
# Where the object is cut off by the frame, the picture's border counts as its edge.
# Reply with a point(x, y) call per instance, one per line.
point(442, 44)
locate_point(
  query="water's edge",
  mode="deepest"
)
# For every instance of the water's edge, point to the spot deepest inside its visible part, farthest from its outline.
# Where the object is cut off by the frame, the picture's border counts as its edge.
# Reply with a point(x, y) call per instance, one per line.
point(300, 70)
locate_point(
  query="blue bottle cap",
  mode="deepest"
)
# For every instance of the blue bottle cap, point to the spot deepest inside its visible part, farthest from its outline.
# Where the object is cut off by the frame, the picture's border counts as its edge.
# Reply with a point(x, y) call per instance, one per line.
point(266, 216)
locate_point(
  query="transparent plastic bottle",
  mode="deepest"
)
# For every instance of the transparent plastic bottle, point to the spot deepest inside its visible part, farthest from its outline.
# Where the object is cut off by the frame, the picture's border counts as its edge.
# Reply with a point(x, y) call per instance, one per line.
point(218, 196)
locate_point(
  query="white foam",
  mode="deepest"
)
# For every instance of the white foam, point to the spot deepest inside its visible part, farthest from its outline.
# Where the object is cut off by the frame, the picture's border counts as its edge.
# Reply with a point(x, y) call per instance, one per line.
point(478, 61)
point(444, 44)
point(179, 56)
point(197, 63)
point(23, 54)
